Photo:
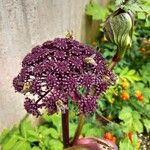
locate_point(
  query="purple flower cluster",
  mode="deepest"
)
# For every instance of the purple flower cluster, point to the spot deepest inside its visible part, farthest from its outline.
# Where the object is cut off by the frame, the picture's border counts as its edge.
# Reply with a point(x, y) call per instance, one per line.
point(54, 71)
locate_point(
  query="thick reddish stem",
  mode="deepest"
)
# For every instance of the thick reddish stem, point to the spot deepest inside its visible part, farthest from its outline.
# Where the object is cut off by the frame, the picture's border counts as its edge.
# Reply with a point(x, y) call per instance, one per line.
point(65, 128)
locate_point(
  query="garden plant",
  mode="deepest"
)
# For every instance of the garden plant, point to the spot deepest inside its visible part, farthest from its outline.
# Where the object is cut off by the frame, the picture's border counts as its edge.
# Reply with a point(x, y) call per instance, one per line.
point(92, 96)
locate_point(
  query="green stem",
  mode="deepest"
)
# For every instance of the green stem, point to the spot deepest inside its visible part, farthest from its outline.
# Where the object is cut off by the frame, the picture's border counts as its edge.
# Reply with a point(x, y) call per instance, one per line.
point(65, 128)
point(78, 129)
point(112, 65)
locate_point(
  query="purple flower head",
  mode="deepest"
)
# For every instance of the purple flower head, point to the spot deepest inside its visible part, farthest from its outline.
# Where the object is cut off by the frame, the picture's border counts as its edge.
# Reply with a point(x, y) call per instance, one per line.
point(54, 72)
point(60, 55)
point(62, 67)
point(87, 104)
point(50, 105)
point(76, 62)
point(32, 107)
point(87, 80)
point(18, 83)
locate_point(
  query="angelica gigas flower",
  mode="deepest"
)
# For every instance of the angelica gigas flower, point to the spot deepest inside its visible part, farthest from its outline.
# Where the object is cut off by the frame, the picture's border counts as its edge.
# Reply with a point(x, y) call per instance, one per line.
point(53, 73)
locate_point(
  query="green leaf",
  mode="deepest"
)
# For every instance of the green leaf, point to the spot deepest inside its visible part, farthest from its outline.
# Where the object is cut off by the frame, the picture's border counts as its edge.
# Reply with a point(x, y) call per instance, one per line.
point(139, 108)
point(45, 141)
point(46, 117)
point(145, 72)
point(55, 119)
point(139, 86)
point(72, 128)
point(86, 127)
point(42, 146)
point(147, 124)
point(147, 24)
point(97, 132)
point(33, 136)
point(7, 133)
point(49, 131)
point(46, 131)
point(35, 148)
point(138, 6)
point(137, 125)
point(131, 120)
point(129, 75)
point(42, 129)
point(101, 105)
point(135, 140)
point(21, 145)
point(25, 126)
point(134, 7)
point(146, 93)
point(141, 15)
point(125, 113)
point(119, 2)
point(54, 133)
point(125, 145)
point(55, 144)
point(147, 108)
point(4, 135)
point(8, 145)
point(96, 11)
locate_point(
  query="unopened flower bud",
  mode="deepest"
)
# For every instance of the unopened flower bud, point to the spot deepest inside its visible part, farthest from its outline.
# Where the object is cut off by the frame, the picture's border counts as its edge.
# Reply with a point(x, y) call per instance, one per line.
point(118, 29)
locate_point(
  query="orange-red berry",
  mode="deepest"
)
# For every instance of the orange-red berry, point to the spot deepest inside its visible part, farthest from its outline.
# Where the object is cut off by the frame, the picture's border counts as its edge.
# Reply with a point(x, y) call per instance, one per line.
point(108, 136)
point(125, 95)
point(137, 93)
point(140, 98)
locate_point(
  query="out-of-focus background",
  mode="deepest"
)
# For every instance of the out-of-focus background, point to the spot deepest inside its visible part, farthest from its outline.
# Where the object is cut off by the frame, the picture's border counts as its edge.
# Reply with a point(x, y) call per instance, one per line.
point(24, 24)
